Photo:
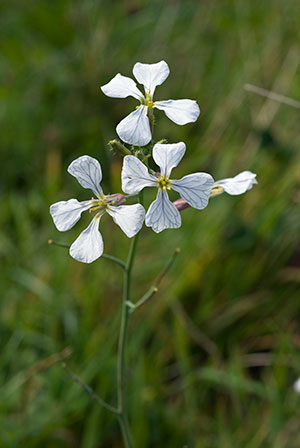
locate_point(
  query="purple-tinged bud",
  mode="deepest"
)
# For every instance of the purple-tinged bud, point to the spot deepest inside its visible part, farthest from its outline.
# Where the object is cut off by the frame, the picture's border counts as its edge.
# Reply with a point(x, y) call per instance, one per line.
point(181, 204)
point(117, 199)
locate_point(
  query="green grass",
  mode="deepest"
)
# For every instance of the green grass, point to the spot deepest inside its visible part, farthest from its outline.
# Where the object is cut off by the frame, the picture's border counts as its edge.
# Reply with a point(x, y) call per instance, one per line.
point(214, 355)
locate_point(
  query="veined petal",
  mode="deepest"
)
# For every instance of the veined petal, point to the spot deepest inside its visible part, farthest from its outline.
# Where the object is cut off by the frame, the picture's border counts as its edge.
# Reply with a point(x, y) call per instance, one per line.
point(89, 245)
point(179, 111)
point(129, 218)
point(162, 214)
point(167, 156)
point(194, 189)
point(65, 214)
point(135, 128)
point(87, 171)
point(122, 87)
point(239, 184)
point(151, 75)
point(135, 176)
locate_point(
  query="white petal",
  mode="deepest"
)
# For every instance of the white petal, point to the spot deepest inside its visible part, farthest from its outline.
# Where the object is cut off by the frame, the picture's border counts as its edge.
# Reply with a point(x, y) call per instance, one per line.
point(194, 189)
point(135, 129)
point(89, 245)
point(179, 111)
point(297, 386)
point(238, 184)
point(65, 214)
point(87, 171)
point(151, 75)
point(121, 87)
point(167, 156)
point(129, 217)
point(135, 176)
point(162, 214)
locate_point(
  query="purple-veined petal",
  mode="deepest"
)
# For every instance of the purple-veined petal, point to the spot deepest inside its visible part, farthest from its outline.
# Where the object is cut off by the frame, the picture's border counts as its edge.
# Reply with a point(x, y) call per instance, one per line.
point(65, 214)
point(162, 213)
point(135, 128)
point(239, 184)
point(135, 176)
point(87, 171)
point(194, 189)
point(179, 111)
point(129, 218)
point(167, 156)
point(89, 245)
point(122, 87)
point(151, 75)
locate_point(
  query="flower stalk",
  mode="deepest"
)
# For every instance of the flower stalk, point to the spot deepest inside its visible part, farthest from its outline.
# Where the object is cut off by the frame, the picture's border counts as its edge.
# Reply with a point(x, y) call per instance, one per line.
point(123, 336)
point(106, 256)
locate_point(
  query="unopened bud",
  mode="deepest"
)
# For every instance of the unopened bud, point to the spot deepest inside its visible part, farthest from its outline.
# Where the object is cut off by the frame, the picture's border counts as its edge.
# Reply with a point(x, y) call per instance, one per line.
point(181, 204)
point(119, 148)
point(118, 198)
point(163, 141)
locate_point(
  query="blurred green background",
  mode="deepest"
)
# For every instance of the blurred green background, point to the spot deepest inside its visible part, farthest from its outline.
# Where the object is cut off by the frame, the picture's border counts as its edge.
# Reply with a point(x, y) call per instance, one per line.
point(214, 356)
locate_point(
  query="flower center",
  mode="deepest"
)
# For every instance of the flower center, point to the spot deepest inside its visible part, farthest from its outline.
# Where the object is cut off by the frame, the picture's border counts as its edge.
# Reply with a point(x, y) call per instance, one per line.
point(163, 183)
point(100, 204)
point(216, 190)
point(147, 101)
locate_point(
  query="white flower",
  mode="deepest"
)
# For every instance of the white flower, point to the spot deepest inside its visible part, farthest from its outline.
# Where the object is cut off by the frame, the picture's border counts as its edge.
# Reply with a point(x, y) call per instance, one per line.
point(135, 128)
point(297, 386)
point(162, 213)
point(89, 245)
point(239, 184)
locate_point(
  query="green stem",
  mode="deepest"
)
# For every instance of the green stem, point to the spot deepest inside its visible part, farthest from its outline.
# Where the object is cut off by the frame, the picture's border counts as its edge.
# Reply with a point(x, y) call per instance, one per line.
point(115, 260)
point(122, 395)
point(147, 296)
point(122, 405)
point(153, 289)
point(151, 119)
point(90, 391)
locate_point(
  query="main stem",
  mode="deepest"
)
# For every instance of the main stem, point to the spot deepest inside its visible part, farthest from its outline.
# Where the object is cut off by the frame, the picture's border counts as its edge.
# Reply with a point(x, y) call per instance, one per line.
point(122, 395)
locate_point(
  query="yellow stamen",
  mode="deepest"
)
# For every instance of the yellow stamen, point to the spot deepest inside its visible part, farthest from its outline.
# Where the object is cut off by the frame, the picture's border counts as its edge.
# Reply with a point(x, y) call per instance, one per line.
point(99, 204)
point(163, 183)
point(216, 190)
point(147, 100)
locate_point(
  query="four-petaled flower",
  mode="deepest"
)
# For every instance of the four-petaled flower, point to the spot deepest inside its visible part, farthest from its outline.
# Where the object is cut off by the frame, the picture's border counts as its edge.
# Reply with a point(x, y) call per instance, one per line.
point(135, 128)
point(238, 184)
point(89, 245)
point(193, 188)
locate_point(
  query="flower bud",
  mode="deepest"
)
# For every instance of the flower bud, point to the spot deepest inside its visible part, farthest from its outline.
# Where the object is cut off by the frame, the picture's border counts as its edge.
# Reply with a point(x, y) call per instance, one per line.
point(119, 148)
point(181, 204)
point(118, 199)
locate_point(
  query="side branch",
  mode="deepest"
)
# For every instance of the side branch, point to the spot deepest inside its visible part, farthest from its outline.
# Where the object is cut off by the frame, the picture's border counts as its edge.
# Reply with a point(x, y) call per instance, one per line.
point(106, 256)
point(89, 390)
point(154, 289)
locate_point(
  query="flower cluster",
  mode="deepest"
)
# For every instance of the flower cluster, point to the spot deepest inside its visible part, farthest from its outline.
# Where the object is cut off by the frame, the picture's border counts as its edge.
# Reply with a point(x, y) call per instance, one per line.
point(194, 189)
